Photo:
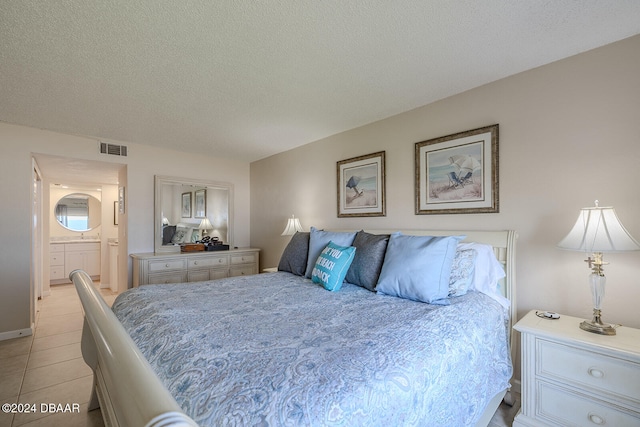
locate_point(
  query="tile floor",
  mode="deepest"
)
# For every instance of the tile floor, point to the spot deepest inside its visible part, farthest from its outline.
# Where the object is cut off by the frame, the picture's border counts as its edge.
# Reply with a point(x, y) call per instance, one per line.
point(48, 367)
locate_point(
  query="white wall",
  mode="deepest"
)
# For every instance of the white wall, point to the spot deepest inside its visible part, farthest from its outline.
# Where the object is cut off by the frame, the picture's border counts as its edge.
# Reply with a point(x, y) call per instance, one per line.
point(569, 133)
point(143, 162)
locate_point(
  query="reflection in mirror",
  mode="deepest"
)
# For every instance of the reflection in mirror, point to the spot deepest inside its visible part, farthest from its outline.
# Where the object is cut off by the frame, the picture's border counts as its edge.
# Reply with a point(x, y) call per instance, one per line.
point(182, 208)
point(78, 212)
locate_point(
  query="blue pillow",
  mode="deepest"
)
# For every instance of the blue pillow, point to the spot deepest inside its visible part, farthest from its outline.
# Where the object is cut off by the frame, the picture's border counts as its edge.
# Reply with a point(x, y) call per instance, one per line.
point(318, 239)
point(418, 267)
point(332, 265)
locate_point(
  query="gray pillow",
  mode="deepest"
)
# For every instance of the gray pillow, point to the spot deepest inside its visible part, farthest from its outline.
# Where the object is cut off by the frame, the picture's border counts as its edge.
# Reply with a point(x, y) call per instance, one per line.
point(294, 257)
point(366, 265)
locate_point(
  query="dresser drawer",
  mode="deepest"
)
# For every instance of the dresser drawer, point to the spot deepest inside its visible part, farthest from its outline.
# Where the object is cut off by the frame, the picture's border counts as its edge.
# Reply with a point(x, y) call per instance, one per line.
point(56, 272)
point(582, 368)
point(56, 258)
point(166, 265)
point(175, 277)
point(220, 261)
point(56, 247)
point(243, 259)
point(561, 407)
point(241, 271)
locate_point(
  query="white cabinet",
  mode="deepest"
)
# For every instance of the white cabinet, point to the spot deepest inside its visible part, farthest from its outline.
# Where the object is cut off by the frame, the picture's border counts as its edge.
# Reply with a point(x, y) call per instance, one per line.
point(572, 377)
point(151, 268)
point(66, 257)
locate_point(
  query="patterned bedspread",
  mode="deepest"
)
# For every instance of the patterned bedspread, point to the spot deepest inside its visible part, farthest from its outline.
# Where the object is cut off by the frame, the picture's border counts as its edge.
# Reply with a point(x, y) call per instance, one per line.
point(278, 350)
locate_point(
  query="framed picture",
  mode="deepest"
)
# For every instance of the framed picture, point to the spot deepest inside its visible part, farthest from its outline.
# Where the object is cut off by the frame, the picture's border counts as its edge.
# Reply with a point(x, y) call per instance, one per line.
point(115, 213)
point(200, 203)
point(361, 183)
point(186, 205)
point(458, 173)
point(121, 199)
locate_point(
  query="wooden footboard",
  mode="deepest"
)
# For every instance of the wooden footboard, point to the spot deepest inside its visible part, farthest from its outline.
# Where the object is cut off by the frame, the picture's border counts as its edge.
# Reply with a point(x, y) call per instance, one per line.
point(126, 389)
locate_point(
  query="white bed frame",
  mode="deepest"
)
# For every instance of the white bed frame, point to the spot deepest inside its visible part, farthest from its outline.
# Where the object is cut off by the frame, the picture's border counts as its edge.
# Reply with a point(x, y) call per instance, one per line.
point(130, 394)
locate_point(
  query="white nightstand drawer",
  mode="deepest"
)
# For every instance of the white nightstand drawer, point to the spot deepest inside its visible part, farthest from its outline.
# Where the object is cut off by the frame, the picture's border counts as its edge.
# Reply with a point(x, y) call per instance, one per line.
point(171, 264)
point(208, 262)
point(56, 258)
point(564, 408)
point(587, 368)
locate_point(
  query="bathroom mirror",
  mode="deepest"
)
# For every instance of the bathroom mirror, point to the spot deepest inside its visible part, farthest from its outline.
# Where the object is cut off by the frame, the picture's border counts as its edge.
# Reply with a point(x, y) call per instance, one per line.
point(181, 205)
point(78, 212)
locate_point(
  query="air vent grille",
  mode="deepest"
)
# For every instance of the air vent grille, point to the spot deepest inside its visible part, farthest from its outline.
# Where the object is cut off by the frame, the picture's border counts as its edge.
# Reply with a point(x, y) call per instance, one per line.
point(113, 149)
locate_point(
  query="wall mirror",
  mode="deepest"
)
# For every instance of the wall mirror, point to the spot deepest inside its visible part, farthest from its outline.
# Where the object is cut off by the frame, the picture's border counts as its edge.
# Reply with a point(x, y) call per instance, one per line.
point(78, 212)
point(188, 209)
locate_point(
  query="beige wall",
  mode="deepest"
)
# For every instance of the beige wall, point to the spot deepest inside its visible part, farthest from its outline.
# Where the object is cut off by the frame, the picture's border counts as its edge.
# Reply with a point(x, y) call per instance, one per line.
point(569, 134)
point(143, 162)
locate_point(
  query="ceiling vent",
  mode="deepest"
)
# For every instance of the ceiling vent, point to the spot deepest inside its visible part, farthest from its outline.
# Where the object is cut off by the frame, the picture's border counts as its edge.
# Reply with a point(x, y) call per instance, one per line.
point(113, 149)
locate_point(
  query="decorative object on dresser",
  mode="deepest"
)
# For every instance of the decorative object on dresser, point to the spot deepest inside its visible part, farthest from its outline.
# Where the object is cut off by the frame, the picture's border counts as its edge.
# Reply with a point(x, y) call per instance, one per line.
point(571, 378)
point(596, 231)
point(458, 173)
point(154, 268)
point(293, 226)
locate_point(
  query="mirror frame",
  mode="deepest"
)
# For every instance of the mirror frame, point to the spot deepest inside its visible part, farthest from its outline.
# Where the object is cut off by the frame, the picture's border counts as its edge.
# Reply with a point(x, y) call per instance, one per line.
point(161, 180)
point(89, 196)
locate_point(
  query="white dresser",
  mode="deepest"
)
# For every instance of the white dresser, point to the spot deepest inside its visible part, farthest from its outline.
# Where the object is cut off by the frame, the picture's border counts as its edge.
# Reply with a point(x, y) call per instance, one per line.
point(572, 377)
point(66, 257)
point(154, 268)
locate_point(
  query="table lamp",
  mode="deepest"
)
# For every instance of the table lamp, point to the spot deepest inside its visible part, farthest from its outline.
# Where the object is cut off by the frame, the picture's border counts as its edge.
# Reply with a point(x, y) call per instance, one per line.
point(293, 226)
point(596, 231)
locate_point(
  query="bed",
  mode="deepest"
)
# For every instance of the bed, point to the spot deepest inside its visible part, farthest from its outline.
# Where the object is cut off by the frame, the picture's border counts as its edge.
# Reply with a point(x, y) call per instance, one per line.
point(280, 349)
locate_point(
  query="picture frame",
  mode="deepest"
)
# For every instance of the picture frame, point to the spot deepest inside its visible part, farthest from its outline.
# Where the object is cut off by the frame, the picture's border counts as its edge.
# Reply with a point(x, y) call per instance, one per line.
point(361, 186)
point(458, 174)
point(186, 205)
point(121, 200)
point(115, 212)
point(200, 203)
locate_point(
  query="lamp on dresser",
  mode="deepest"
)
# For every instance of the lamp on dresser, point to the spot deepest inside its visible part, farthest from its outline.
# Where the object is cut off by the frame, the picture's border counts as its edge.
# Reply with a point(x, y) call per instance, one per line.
point(598, 230)
point(205, 226)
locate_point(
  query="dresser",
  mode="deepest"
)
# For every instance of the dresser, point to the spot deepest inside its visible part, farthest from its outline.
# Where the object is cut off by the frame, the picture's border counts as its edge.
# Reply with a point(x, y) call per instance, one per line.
point(154, 268)
point(66, 257)
point(572, 377)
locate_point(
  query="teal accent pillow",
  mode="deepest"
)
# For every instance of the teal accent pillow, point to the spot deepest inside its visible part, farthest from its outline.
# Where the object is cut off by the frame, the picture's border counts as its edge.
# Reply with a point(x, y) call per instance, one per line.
point(418, 267)
point(332, 265)
point(318, 239)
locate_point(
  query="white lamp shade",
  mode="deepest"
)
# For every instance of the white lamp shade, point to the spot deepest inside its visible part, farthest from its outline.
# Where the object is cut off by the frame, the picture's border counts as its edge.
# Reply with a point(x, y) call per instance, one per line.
point(293, 226)
point(599, 230)
point(205, 224)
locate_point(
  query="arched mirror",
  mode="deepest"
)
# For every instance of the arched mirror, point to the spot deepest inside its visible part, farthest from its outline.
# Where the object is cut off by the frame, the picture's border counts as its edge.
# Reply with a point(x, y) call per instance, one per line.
point(78, 212)
point(186, 210)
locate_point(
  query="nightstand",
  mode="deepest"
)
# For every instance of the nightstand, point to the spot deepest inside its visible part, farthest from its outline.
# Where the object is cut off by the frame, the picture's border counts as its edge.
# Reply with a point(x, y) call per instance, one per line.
point(572, 377)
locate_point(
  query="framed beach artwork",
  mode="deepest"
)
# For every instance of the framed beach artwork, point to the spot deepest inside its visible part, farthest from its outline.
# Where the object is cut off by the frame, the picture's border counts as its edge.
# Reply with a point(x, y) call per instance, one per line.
point(458, 173)
point(200, 203)
point(361, 186)
point(186, 205)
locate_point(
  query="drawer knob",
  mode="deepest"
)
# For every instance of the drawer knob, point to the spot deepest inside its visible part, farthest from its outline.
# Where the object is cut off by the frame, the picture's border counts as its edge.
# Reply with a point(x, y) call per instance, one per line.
point(596, 373)
point(220, 260)
point(166, 265)
point(596, 419)
point(195, 262)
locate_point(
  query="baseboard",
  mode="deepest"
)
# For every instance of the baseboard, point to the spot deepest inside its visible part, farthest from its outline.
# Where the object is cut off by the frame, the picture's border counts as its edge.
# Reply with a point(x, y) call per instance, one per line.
point(16, 334)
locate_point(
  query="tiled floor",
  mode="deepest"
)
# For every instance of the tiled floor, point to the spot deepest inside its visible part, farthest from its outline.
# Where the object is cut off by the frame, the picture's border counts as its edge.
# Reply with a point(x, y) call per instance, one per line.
point(48, 368)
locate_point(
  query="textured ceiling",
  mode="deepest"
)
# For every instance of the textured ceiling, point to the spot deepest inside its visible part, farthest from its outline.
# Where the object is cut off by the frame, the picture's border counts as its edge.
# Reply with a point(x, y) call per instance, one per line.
point(248, 79)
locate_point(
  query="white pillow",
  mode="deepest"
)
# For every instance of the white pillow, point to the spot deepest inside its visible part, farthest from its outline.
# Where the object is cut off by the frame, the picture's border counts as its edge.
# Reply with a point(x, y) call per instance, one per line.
point(488, 271)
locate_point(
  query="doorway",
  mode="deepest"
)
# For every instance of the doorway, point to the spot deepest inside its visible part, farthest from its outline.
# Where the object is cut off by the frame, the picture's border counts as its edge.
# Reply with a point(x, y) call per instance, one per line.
point(61, 176)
